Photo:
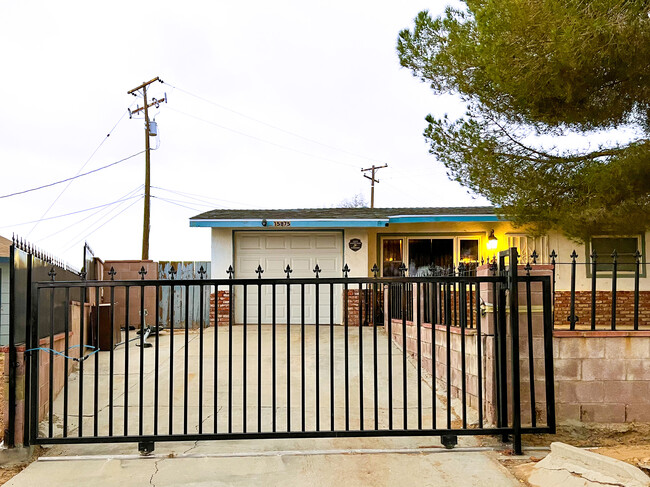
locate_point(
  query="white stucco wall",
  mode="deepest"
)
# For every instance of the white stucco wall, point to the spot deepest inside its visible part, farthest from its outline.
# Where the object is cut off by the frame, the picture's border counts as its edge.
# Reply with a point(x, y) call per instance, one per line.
point(221, 248)
point(564, 247)
point(356, 261)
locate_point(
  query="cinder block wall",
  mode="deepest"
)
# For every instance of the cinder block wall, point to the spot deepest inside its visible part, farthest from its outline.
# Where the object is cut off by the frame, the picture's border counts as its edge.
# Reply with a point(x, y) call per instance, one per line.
point(602, 377)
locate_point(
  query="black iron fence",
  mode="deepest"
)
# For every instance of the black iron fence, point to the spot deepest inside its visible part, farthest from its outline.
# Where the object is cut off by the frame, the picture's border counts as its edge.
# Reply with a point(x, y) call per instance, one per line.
point(286, 362)
point(599, 292)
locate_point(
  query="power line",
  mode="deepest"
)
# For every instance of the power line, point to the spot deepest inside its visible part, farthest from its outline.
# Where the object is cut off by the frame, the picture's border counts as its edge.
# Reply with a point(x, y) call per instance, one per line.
point(171, 202)
point(69, 214)
point(81, 168)
point(206, 198)
point(85, 232)
point(70, 179)
point(264, 140)
point(58, 231)
point(268, 124)
point(106, 222)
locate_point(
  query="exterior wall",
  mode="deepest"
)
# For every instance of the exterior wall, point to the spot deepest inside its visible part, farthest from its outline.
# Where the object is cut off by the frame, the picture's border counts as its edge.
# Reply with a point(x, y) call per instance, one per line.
point(222, 256)
point(4, 303)
point(563, 247)
point(128, 270)
point(356, 261)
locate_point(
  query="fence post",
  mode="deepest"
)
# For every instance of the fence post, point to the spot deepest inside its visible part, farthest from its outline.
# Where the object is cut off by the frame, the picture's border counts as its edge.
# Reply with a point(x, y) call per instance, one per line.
point(513, 291)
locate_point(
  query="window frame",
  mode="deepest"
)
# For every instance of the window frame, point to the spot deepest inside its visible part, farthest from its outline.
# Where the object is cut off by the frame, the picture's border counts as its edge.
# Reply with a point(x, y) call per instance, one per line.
point(456, 238)
point(640, 238)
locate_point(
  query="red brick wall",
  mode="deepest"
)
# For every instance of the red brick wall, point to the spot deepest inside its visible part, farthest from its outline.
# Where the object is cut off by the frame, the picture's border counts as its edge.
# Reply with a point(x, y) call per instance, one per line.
point(624, 308)
point(223, 307)
point(353, 307)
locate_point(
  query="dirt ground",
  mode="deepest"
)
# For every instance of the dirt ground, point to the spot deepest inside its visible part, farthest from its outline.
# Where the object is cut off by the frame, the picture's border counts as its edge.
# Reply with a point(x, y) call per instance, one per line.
point(9, 471)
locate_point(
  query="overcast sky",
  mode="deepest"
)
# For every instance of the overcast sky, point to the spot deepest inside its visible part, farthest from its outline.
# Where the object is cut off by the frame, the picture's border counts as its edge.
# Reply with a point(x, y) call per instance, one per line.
point(248, 84)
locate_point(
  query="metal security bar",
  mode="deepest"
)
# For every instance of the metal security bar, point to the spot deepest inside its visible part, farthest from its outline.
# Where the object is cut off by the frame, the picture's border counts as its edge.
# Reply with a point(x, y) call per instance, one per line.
point(290, 358)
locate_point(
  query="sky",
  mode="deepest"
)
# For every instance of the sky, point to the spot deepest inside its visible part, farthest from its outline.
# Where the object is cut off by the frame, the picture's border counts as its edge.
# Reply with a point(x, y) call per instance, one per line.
point(269, 105)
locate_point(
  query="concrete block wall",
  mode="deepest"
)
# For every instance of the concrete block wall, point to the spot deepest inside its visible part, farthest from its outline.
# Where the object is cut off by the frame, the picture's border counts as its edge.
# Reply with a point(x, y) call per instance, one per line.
point(602, 377)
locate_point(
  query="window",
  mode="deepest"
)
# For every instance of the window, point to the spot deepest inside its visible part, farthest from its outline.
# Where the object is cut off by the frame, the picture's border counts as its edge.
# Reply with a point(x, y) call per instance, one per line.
point(421, 252)
point(392, 255)
point(625, 247)
point(526, 245)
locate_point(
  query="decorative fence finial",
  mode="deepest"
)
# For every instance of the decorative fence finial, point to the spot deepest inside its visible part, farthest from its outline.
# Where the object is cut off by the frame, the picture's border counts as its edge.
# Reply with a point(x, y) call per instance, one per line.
point(402, 269)
point(317, 270)
point(52, 273)
point(534, 256)
point(112, 273)
point(172, 272)
point(259, 271)
point(142, 272)
point(375, 270)
point(230, 271)
point(345, 270)
point(288, 271)
point(202, 272)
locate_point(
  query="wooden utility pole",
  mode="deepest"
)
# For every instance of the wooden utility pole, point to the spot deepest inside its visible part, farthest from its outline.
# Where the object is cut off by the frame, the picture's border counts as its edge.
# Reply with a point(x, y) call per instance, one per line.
point(373, 180)
point(147, 169)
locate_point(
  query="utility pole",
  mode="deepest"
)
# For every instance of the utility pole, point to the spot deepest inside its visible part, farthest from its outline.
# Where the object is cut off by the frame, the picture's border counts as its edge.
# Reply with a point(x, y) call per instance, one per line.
point(147, 169)
point(373, 180)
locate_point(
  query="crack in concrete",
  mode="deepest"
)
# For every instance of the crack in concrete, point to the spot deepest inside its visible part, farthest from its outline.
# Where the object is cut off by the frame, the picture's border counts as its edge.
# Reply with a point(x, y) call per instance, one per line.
point(582, 476)
point(154, 473)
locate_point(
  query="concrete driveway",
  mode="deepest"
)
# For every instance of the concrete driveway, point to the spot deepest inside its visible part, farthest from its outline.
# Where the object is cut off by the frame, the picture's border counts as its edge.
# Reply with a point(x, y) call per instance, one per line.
point(323, 461)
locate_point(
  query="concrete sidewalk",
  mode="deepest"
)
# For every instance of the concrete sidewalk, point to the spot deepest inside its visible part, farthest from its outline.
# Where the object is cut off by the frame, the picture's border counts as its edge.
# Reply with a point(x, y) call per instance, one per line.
point(380, 462)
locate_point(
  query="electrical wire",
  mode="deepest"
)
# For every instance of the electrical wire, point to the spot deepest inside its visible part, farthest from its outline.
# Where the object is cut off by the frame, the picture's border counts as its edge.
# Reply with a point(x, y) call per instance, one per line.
point(84, 165)
point(71, 213)
point(91, 225)
point(90, 216)
point(272, 126)
point(171, 202)
point(264, 140)
point(106, 222)
point(206, 200)
point(70, 179)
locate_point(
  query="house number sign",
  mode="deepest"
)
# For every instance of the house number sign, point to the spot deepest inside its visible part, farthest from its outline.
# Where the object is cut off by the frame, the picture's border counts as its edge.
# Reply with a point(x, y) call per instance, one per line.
point(282, 223)
point(355, 244)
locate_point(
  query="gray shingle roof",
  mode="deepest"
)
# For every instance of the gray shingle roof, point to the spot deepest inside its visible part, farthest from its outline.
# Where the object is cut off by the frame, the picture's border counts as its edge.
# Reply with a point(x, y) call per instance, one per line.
point(341, 213)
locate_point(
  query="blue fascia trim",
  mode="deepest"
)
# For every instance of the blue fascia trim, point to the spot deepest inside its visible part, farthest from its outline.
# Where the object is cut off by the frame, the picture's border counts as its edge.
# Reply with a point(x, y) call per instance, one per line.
point(333, 223)
point(444, 218)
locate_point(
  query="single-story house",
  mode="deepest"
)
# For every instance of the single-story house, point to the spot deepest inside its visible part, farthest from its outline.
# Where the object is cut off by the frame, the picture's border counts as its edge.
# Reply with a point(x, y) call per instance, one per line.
point(416, 237)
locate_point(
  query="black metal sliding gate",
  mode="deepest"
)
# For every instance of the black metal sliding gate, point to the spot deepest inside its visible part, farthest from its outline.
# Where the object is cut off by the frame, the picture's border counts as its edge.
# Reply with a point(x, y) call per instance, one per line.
point(285, 358)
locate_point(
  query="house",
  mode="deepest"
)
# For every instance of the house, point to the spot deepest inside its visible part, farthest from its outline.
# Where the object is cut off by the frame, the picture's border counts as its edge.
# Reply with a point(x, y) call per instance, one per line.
point(417, 238)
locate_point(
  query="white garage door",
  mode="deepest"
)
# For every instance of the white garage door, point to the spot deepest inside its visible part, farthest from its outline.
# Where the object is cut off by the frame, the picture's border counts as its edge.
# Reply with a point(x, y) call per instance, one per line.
point(274, 251)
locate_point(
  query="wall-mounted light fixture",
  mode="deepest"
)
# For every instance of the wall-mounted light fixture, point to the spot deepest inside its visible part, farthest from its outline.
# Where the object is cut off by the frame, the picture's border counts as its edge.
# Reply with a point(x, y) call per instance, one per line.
point(492, 241)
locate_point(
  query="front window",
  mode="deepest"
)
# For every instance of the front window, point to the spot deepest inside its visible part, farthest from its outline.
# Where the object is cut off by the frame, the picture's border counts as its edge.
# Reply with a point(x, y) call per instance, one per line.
point(420, 254)
point(625, 247)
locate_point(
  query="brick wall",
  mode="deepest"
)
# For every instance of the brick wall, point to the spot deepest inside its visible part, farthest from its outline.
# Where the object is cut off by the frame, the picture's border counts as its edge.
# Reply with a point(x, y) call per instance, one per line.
point(223, 307)
point(353, 307)
point(624, 308)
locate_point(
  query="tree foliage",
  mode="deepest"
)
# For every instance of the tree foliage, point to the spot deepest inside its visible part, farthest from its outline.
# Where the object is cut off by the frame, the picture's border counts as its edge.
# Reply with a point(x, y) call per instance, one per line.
point(357, 201)
point(533, 71)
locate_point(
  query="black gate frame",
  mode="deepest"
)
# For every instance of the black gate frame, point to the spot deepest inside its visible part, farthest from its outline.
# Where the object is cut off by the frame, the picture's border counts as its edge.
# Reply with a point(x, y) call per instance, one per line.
point(505, 284)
